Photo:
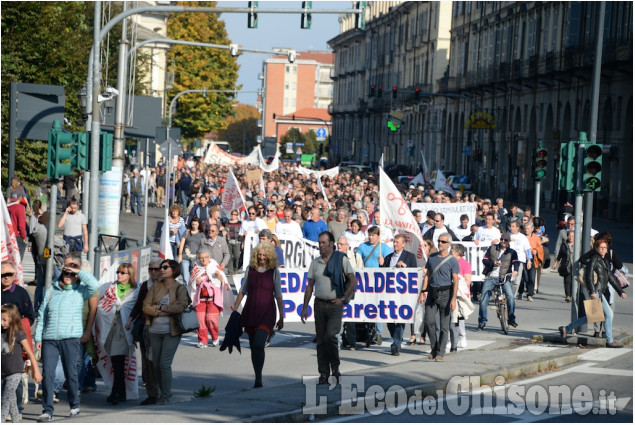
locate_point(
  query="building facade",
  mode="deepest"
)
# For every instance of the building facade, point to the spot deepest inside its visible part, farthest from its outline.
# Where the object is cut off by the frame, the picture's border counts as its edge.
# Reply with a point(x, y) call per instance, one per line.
point(297, 93)
point(517, 73)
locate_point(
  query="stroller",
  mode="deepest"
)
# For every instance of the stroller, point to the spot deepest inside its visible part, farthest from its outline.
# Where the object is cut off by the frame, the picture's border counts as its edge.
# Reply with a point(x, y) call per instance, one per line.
point(364, 332)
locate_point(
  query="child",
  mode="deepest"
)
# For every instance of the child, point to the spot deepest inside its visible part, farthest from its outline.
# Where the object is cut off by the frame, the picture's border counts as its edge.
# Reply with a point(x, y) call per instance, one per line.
point(12, 362)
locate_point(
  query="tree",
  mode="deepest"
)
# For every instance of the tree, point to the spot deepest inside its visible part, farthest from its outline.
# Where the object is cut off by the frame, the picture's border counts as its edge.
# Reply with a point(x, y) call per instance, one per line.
point(47, 43)
point(309, 139)
point(199, 67)
point(243, 125)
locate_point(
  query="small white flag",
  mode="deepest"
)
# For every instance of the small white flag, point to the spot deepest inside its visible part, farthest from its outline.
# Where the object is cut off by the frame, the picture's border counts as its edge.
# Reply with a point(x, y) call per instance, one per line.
point(165, 250)
point(8, 243)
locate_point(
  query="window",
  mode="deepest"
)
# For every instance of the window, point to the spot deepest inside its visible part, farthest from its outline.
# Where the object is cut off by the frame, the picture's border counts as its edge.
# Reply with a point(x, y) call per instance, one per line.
point(573, 33)
point(531, 41)
point(554, 29)
point(286, 101)
point(286, 69)
point(293, 86)
point(286, 86)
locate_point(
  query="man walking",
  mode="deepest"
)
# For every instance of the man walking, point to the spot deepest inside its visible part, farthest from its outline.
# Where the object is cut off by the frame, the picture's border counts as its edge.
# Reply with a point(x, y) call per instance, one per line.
point(441, 282)
point(137, 189)
point(75, 227)
point(400, 258)
point(326, 275)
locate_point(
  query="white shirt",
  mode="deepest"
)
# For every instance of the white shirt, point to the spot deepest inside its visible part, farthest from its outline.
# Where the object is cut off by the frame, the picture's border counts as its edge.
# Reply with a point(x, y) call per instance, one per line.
point(520, 244)
point(291, 229)
point(354, 240)
point(483, 234)
point(252, 226)
point(395, 259)
point(461, 232)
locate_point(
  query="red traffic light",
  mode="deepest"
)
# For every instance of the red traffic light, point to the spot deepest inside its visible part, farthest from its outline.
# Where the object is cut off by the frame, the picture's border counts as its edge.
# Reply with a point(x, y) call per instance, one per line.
point(394, 88)
point(542, 153)
point(594, 151)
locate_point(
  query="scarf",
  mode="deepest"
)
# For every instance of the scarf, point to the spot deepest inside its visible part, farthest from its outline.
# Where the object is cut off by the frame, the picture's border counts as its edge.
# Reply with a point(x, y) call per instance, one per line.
point(335, 271)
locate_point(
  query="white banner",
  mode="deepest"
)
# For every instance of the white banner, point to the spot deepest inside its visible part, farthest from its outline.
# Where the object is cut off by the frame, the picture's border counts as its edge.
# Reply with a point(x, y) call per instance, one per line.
point(381, 295)
point(396, 216)
point(331, 172)
point(451, 212)
point(275, 163)
point(216, 155)
point(232, 196)
point(252, 159)
point(441, 183)
point(9, 250)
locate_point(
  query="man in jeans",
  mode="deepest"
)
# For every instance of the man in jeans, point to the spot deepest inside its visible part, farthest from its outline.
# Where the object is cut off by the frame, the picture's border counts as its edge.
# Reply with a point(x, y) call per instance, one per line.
point(499, 260)
point(440, 283)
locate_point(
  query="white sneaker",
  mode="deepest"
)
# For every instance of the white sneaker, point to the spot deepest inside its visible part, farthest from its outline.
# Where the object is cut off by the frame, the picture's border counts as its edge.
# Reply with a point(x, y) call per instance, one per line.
point(45, 417)
point(215, 343)
point(462, 342)
point(201, 345)
point(74, 412)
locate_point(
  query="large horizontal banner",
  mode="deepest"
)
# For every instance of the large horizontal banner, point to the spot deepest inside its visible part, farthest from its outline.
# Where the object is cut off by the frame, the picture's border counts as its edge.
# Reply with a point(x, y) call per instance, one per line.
point(381, 295)
point(298, 254)
point(451, 212)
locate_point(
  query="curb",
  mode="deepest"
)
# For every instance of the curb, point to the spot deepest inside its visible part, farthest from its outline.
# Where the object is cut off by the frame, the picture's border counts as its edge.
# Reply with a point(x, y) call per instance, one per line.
point(623, 339)
point(423, 390)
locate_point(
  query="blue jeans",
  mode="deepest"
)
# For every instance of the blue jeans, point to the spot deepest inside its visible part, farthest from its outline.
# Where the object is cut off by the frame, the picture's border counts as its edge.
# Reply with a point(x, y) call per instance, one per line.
point(135, 203)
point(163, 348)
point(68, 350)
point(488, 285)
point(608, 320)
point(185, 271)
point(396, 331)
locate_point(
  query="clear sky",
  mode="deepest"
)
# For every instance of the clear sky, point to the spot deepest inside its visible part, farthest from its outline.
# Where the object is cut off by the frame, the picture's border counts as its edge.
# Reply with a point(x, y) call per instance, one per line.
point(277, 30)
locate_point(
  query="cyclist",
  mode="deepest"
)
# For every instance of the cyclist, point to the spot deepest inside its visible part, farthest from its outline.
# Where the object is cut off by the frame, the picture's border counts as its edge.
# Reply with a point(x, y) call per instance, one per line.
point(499, 260)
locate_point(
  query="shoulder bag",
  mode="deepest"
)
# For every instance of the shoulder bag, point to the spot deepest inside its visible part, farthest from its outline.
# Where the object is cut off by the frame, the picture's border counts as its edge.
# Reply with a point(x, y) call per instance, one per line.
point(186, 321)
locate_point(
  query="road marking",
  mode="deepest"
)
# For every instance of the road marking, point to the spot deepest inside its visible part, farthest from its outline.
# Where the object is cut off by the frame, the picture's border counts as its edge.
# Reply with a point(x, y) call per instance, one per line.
point(587, 368)
point(604, 354)
point(536, 348)
point(474, 344)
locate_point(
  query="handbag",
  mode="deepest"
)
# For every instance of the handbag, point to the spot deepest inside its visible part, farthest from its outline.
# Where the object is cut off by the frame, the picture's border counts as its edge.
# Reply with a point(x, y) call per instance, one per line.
point(187, 321)
point(621, 277)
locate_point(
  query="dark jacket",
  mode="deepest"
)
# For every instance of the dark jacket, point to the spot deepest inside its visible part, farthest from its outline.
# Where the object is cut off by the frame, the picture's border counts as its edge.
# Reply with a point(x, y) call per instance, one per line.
point(407, 257)
point(233, 331)
point(430, 233)
point(509, 260)
point(600, 266)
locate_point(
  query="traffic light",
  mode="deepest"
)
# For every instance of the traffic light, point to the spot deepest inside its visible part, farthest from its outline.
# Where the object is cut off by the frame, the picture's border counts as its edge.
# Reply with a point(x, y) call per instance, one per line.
point(592, 177)
point(540, 169)
point(305, 19)
point(380, 91)
point(478, 156)
point(81, 150)
point(395, 119)
point(417, 93)
point(359, 18)
point(567, 166)
point(252, 16)
point(60, 152)
point(394, 92)
point(373, 90)
point(105, 151)
point(393, 125)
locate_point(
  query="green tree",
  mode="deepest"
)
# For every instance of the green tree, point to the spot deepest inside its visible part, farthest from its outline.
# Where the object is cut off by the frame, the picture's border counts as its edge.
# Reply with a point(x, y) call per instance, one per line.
point(243, 125)
point(199, 67)
point(47, 43)
point(309, 139)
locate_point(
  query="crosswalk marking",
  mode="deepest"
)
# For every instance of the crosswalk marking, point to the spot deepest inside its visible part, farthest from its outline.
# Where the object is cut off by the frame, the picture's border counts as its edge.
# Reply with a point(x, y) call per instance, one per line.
point(604, 354)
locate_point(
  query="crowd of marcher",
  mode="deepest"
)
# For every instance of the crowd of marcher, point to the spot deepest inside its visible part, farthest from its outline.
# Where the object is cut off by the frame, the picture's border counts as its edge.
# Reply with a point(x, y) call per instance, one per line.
point(341, 215)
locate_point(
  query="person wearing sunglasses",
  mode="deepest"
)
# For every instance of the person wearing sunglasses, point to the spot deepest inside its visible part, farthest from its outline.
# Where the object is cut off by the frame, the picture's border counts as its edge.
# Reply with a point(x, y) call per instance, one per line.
point(57, 332)
point(147, 367)
point(440, 284)
point(116, 301)
point(165, 299)
point(438, 228)
point(251, 226)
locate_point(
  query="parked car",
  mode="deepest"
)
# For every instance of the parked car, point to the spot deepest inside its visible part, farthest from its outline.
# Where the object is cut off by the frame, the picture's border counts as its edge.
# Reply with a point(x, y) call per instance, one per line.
point(356, 169)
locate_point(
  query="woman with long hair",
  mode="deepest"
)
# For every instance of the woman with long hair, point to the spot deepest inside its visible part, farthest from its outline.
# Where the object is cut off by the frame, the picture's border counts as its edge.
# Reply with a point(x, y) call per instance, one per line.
point(261, 286)
point(114, 341)
point(188, 247)
point(14, 343)
point(176, 226)
point(355, 236)
point(165, 299)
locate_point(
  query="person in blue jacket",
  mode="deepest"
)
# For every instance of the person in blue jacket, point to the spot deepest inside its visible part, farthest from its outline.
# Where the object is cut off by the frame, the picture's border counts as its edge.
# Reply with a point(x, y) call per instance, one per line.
point(59, 329)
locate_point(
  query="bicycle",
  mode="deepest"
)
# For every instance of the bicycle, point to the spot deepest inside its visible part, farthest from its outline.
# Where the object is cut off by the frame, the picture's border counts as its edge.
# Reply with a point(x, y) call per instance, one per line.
point(500, 299)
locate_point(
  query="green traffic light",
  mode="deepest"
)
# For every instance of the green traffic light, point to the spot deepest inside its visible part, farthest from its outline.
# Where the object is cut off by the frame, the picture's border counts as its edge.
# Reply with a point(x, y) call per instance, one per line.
point(393, 126)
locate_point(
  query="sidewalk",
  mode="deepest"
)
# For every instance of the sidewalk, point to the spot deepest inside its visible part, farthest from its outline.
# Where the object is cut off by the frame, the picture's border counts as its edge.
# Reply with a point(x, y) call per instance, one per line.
point(285, 403)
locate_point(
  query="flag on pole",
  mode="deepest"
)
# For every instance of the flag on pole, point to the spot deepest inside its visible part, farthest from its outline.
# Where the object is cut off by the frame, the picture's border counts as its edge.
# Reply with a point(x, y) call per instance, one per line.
point(396, 215)
point(321, 187)
point(262, 185)
point(165, 250)
point(232, 196)
point(9, 250)
point(381, 161)
point(426, 172)
point(442, 184)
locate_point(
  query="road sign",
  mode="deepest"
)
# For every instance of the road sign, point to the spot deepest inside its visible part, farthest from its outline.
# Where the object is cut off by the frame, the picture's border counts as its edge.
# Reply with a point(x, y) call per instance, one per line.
point(176, 148)
point(321, 133)
point(467, 150)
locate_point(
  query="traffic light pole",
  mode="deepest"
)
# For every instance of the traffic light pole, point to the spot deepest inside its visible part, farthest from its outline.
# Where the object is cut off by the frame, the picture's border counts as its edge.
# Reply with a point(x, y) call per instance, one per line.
point(50, 239)
point(537, 198)
point(93, 195)
point(577, 242)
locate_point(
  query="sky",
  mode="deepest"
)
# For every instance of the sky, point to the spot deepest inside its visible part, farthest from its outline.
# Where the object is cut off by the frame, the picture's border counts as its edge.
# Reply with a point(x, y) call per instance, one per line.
point(277, 30)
